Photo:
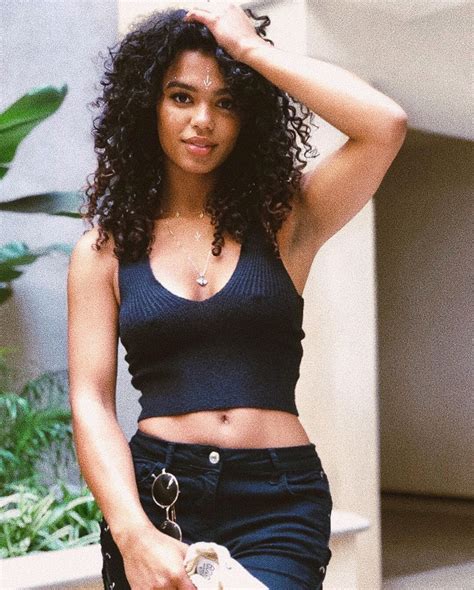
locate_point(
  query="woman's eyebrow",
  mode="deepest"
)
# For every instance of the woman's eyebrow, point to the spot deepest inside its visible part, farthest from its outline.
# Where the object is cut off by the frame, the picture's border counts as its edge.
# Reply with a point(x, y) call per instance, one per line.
point(178, 84)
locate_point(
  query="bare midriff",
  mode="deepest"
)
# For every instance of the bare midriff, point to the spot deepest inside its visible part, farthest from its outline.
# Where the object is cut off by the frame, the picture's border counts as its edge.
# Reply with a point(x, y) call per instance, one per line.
point(232, 428)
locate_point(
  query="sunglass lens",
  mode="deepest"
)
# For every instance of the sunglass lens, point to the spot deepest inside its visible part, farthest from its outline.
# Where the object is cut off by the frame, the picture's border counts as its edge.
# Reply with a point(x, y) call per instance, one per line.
point(171, 528)
point(165, 489)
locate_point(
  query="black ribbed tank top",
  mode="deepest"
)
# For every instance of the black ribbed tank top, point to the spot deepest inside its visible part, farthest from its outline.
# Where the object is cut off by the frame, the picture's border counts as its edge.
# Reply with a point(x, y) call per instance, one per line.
point(240, 347)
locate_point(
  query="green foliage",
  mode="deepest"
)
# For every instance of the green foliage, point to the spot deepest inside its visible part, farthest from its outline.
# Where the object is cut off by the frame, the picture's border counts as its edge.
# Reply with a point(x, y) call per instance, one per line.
point(22, 116)
point(32, 423)
point(15, 254)
point(16, 123)
point(36, 424)
point(62, 203)
point(31, 521)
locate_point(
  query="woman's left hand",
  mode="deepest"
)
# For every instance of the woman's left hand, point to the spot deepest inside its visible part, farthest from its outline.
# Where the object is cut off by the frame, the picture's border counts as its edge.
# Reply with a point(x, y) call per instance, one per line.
point(231, 27)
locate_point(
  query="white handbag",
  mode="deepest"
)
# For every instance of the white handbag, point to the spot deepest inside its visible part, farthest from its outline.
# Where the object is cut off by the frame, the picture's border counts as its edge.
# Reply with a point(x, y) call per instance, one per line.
point(211, 566)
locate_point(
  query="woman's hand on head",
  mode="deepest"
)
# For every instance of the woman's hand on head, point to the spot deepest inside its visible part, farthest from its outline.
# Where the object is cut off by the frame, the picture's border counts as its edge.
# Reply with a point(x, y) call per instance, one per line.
point(231, 27)
point(154, 561)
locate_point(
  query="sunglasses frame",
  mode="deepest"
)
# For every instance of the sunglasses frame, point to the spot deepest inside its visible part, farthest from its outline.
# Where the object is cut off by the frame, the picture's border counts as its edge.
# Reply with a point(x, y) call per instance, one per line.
point(169, 526)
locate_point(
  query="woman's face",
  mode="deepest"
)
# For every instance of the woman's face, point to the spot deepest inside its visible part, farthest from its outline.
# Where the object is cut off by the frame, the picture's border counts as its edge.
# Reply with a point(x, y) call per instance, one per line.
point(195, 103)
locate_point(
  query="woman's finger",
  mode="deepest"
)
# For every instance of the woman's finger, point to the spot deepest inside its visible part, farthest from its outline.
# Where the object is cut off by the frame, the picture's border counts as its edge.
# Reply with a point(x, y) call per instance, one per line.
point(204, 15)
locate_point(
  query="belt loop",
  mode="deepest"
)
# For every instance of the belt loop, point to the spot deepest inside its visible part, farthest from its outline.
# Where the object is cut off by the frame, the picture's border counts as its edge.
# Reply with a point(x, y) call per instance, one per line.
point(169, 454)
point(274, 457)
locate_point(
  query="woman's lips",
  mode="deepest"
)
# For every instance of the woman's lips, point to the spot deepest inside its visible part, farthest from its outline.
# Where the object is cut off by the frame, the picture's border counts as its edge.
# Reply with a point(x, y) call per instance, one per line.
point(198, 150)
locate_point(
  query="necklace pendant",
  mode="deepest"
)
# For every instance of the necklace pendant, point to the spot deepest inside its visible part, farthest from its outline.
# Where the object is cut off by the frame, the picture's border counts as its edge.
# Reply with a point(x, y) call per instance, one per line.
point(201, 281)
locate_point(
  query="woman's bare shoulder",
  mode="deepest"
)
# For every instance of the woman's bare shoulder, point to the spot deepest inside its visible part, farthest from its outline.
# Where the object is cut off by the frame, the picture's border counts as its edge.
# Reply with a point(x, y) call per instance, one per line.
point(96, 266)
point(85, 250)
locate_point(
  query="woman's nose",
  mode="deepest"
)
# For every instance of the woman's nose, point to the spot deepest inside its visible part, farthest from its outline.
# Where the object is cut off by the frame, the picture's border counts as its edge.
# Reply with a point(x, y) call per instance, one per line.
point(202, 116)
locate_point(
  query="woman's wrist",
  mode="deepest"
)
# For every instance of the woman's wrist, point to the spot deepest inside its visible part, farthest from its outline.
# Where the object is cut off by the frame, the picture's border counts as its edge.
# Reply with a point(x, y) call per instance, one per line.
point(247, 46)
point(125, 532)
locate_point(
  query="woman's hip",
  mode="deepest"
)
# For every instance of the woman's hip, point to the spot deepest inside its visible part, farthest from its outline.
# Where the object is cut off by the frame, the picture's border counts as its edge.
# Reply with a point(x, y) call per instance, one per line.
point(223, 489)
point(271, 507)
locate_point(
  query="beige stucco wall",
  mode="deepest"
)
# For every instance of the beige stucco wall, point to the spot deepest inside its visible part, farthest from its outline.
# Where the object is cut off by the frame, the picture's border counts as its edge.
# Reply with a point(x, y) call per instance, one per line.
point(336, 392)
point(424, 272)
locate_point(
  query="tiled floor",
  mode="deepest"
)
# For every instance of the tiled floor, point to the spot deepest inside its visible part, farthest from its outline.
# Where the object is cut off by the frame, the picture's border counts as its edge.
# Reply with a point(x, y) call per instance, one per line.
point(427, 543)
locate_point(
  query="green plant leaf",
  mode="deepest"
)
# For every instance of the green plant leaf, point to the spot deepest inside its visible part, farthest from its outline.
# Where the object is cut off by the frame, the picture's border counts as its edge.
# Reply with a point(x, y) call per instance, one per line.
point(7, 274)
point(22, 116)
point(51, 540)
point(89, 539)
point(42, 514)
point(46, 522)
point(81, 521)
point(61, 203)
point(78, 502)
point(5, 293)
point(18, 254)
point(8, 461)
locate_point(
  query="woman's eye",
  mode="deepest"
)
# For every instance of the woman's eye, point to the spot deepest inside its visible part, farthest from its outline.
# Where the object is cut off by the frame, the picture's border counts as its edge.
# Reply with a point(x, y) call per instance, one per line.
point(182, 98)
point(227, 103)
point(178, 95)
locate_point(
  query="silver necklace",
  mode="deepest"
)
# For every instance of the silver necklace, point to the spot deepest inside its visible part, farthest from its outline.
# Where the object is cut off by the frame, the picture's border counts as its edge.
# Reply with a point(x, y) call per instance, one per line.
point(198, 234)
point(201, 280)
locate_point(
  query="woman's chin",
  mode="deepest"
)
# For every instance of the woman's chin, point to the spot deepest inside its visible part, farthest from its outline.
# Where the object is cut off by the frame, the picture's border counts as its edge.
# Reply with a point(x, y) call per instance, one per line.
point(198, 167)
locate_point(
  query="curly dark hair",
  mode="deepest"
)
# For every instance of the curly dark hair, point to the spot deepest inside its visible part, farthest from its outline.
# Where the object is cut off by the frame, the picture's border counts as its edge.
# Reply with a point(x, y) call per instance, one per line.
point(258, 178)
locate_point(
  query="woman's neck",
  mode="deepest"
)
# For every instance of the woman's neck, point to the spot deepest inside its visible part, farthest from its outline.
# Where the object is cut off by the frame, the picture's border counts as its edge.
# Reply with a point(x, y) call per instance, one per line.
point(186, 193)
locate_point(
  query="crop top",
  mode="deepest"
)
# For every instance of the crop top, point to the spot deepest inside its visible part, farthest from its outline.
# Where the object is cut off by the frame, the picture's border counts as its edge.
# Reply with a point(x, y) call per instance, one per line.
point(240, 347)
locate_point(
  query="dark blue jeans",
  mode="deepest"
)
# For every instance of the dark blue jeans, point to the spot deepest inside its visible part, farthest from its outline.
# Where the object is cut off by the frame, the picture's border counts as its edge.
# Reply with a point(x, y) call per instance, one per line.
point(270, 507)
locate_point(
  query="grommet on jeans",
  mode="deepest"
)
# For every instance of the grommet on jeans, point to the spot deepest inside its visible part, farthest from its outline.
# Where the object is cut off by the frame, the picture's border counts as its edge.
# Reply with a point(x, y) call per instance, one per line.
point(270, 507)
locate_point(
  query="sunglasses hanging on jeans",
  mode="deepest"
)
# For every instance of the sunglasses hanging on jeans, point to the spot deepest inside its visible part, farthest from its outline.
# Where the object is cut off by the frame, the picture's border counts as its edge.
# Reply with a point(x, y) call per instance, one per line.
point(165, 492)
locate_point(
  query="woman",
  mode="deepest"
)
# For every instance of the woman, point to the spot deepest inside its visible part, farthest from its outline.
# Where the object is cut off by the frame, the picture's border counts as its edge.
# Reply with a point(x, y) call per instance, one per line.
point(207, 229)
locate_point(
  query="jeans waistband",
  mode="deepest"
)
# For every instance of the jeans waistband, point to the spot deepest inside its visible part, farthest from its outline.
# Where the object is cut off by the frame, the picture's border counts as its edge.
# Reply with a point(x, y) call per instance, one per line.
point(147, 446)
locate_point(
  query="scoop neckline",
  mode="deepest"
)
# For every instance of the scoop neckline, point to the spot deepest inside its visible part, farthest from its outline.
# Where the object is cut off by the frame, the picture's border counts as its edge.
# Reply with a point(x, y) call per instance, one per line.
point(221, 291)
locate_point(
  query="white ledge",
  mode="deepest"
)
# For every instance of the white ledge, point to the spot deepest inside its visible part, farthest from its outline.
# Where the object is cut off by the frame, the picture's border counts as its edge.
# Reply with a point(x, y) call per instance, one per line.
point(49, 570)
point(347, 523)
point(52, 569)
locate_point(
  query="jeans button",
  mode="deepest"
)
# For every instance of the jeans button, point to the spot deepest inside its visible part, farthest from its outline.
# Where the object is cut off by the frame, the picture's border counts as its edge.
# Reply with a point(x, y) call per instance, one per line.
point(214, 457)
